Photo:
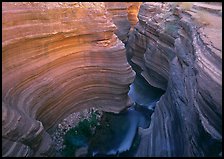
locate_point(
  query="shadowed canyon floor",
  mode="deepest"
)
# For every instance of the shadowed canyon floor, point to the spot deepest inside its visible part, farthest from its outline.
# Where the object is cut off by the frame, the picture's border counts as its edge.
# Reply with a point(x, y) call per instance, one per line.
point(152, 70)
point(116, 134)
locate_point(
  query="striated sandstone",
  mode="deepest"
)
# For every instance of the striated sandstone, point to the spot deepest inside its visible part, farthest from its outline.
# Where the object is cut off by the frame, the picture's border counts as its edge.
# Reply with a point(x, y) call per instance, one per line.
point(57, 58)
point(124, 16)
point(133, 9)
point(149, 36)
point(174, 51)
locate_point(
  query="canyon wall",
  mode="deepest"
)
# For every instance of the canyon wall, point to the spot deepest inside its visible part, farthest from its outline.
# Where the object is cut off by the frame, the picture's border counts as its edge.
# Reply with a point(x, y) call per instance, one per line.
point(124, 16)
point(57, 58)
point(179, 50)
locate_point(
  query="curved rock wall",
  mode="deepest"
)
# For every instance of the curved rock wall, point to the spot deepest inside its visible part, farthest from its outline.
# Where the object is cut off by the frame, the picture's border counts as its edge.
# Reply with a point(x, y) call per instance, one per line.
point(124, 15)
point(133, 10)
point(149, 37)
point(57, 58)
point(171, 51)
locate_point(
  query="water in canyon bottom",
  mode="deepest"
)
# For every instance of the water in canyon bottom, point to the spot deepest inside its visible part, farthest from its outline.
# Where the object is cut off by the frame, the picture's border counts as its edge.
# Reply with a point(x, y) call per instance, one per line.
point(117, 134)
point(121, 138)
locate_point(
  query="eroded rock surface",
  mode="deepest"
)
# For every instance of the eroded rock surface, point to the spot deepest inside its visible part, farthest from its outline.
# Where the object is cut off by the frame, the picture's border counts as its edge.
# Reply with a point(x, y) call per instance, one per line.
point(57, 58)
point(124, 16)
point(177, 51)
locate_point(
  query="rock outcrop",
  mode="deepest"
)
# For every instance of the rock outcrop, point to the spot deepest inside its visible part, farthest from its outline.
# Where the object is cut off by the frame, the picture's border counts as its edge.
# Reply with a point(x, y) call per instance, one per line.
point(174, 50)
point(57, 58)
point(124, 16)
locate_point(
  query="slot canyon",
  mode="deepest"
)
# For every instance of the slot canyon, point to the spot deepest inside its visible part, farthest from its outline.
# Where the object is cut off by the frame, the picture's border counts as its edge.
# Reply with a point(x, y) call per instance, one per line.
point(136, 79)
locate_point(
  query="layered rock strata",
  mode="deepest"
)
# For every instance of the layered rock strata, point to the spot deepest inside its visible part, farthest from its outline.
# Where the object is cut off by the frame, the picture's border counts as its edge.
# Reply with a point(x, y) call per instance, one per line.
point(133, 10)
point(172, 50)
point(124, 15)
point(57, 58)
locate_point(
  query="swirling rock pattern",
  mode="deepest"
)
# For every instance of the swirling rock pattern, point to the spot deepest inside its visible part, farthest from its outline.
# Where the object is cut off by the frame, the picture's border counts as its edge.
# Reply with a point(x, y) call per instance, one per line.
point(171, 51)
point(57, 58)
point(146, 37)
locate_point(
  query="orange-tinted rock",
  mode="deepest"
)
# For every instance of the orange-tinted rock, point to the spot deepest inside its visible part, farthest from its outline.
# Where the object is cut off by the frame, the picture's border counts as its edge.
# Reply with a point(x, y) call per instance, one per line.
point(133, 10)
point(57, 58)
point(124, 15)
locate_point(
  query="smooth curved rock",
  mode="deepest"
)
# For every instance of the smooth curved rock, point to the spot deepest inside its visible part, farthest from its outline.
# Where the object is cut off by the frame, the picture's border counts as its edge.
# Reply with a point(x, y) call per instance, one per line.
point(172, 51)
point(57, 58)
point(146, 38)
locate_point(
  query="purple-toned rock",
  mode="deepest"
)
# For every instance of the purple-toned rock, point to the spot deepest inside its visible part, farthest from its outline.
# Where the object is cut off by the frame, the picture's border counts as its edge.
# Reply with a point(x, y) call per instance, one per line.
point(173, 49)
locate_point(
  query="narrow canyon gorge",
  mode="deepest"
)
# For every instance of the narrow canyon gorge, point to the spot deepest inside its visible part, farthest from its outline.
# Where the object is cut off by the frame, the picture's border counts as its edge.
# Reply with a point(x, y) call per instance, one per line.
point(153, 69)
